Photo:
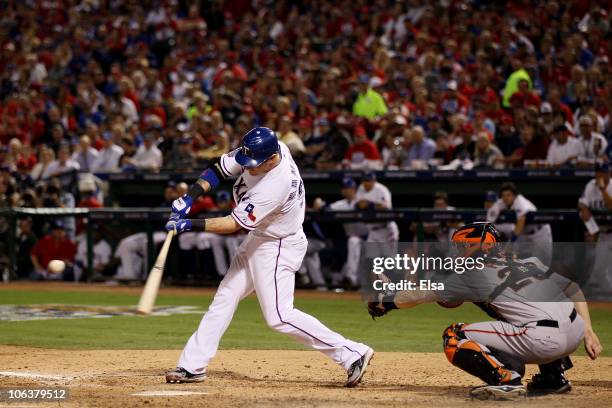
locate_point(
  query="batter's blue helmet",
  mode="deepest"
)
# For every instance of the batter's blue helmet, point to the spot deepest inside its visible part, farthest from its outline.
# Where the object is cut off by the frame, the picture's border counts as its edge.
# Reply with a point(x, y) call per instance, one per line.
point(258, 145)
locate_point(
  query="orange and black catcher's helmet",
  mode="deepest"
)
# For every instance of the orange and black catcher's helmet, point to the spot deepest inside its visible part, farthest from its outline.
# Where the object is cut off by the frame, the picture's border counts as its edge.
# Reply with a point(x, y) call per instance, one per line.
point(477, 236)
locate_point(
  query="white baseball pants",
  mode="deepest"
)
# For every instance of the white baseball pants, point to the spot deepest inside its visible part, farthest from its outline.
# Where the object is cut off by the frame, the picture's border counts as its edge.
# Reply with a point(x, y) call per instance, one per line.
point(266, 266)
point(353, 257)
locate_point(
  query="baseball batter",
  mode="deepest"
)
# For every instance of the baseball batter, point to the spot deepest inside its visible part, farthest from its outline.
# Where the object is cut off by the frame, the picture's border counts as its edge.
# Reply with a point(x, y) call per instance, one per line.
point(270, 203)
point(524, 331)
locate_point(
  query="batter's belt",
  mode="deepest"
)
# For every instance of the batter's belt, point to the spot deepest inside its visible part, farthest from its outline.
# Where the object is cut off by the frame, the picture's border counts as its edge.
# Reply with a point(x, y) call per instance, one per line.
point(554, 323)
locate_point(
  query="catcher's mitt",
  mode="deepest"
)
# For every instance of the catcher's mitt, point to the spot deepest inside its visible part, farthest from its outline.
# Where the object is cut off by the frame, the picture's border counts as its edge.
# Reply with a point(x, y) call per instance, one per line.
point(379, 309)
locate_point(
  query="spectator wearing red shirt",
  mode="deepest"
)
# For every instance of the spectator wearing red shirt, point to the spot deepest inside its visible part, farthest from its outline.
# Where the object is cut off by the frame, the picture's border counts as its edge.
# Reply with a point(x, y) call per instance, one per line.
point(524, 96)
point(55, 245)
point(535, 147)
point(363, 153)
point(491, 106)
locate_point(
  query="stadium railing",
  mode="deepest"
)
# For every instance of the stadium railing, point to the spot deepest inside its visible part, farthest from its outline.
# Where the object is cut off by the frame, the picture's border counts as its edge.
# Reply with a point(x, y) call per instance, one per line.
point(547, 188)
point(511, 174)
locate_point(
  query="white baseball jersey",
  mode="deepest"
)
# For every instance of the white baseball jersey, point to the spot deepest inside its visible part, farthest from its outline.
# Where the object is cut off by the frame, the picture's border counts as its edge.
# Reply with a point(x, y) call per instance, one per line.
point(539, 236)
point(272, 204)
point(351, 229)
point(520, 206)
point(379, 194)
point(592, 196)
point(380, 232)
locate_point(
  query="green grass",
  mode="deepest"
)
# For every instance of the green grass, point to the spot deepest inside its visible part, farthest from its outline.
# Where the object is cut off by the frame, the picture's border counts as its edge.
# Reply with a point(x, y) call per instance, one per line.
point(417, 329)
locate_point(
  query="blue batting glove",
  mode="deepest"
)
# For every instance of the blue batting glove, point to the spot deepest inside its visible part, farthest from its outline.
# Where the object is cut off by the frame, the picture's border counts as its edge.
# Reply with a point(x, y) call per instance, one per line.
point(181, 206)
point(178, 226)
point(174, 217)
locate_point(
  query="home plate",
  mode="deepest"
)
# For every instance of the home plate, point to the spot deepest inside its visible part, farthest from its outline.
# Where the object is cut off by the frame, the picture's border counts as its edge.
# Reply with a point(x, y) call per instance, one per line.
point(168, 393)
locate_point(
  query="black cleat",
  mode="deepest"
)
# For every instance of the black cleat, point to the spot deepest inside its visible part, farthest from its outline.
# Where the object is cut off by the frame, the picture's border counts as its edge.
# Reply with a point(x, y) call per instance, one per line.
point(499, 392)
point(180, 375)
point(358, 369)
point(548, 384)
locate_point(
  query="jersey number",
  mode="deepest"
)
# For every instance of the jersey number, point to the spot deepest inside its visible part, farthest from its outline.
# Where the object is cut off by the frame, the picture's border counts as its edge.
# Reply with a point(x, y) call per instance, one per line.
point(240, 189)
point(515, 280)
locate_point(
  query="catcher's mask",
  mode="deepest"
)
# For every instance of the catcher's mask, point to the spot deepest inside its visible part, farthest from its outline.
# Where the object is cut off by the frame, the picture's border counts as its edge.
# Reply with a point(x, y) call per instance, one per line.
point(477, 237)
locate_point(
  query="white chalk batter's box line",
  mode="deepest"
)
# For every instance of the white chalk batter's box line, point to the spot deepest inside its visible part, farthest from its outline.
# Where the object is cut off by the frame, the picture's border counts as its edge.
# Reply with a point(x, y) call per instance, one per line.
point(35, 376)
point(54, 378)
point(26, 374)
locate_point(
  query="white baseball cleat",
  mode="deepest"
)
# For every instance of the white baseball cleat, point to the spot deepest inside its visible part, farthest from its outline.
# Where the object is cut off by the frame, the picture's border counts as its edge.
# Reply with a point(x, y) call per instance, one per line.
point(180, 375)
point(358, 369)
point(498, 392)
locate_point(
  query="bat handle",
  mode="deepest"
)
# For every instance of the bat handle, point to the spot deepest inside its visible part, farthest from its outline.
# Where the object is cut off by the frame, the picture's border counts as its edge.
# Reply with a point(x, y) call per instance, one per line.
point(169, 236)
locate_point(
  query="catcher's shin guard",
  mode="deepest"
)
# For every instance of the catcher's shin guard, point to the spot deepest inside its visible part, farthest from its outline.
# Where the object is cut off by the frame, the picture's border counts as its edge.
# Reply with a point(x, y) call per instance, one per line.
point(472, 358)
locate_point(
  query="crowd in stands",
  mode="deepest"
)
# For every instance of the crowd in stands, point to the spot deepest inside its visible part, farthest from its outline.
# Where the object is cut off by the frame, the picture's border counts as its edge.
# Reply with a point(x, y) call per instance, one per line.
point(102, 86)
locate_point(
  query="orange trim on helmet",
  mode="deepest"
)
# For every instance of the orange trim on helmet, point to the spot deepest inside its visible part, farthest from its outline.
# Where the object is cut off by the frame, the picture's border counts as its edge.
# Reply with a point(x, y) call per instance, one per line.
point(463, 236)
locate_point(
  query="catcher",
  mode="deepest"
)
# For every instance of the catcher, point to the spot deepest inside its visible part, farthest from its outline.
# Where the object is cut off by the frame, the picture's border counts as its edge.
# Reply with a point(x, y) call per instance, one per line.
point(523, 332)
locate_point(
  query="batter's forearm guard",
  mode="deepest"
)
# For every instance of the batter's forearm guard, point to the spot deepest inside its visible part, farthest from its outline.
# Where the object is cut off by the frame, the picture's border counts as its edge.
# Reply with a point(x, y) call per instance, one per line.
point(195, 191)
point(213, 174)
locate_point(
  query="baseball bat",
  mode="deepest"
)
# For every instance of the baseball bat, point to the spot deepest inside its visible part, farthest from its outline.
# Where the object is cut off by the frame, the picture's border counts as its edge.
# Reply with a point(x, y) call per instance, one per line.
point(149, 293)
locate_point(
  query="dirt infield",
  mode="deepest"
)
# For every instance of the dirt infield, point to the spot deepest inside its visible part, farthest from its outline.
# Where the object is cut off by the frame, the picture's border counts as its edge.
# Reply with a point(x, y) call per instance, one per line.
point(269, 378)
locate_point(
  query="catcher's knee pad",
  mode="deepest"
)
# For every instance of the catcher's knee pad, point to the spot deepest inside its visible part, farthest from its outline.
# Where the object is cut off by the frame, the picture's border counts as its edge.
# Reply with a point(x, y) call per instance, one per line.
point(470, 357)
point(450, 338)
